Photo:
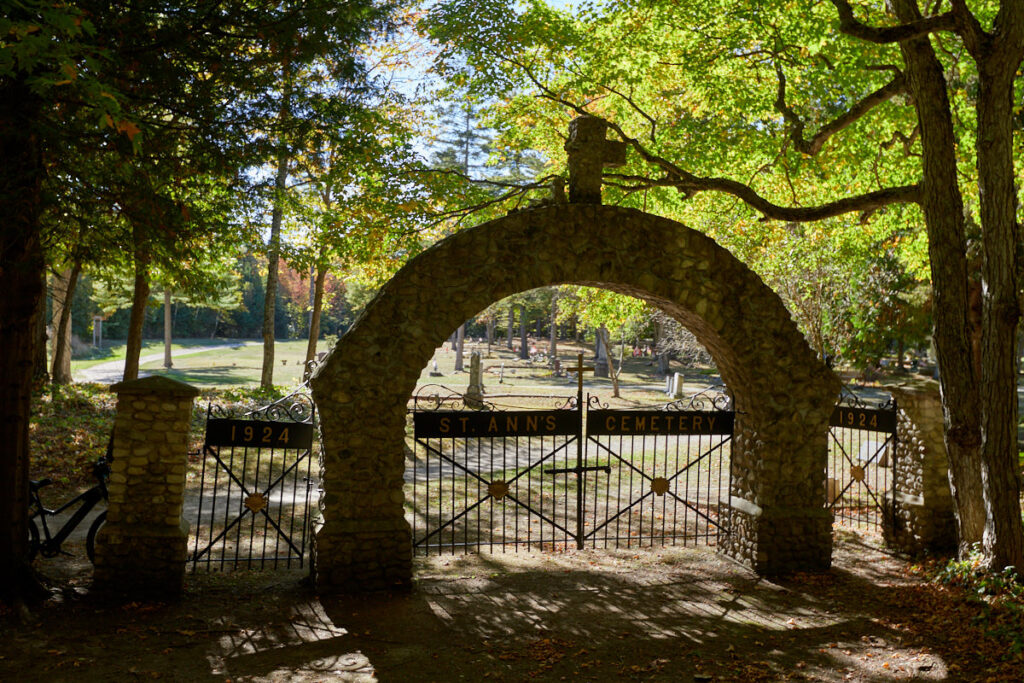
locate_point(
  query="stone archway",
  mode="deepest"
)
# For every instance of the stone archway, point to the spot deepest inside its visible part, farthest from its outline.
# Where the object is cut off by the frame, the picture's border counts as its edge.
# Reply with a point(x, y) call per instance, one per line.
point(783, 394)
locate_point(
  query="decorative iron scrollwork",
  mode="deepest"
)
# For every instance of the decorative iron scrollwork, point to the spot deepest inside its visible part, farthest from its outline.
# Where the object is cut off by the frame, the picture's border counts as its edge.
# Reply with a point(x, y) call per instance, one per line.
point(297, 407)
point(848, 399)
point(594, 403)
point(219, 412)
point(565, 403)
point(709, 399)
point(440, 397)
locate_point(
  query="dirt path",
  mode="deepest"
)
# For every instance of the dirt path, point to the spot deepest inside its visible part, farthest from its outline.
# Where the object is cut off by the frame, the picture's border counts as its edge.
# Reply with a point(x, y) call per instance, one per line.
point(670, 615)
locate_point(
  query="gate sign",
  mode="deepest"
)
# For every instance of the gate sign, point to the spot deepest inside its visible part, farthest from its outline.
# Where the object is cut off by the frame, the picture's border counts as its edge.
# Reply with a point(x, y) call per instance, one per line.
point(870, 419)
point(463, 424)
point(259, 434)
point(626, 422)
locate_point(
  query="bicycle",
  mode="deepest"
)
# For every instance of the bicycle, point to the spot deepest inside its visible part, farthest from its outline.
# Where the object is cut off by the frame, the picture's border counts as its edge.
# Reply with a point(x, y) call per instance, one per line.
point(50, 545)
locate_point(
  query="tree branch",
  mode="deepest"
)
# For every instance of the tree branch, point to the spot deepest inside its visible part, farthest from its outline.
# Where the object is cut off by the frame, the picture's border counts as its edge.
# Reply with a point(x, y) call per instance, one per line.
point(691, 185)
point(884, 35)
point(971, 31)
point(796, 127)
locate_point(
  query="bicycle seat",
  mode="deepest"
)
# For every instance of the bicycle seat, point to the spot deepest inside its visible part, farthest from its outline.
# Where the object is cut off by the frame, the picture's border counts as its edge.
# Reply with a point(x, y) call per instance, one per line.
point(36, 485)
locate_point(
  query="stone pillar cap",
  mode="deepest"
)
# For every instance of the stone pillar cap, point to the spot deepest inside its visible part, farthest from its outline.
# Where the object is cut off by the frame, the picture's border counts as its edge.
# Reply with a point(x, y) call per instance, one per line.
point(155, 385)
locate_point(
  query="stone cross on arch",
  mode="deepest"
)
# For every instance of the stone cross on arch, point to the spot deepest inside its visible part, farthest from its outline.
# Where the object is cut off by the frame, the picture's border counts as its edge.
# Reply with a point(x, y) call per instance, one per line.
point(589, 152)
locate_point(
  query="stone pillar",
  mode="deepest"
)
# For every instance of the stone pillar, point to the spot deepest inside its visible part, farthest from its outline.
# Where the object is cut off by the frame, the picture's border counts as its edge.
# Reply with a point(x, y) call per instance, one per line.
point(141, 549)
point(919, 513)
point(775, 522)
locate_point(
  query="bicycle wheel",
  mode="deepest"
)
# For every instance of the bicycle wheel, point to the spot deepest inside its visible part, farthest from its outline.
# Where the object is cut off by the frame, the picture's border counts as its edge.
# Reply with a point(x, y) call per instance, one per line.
point(90, 540)
point(33, 540)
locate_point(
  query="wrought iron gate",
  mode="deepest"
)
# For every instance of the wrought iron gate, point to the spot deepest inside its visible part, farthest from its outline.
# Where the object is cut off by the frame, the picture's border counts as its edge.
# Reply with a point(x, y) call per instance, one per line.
point(256, 488)
point(579, 475)
point(862, 441)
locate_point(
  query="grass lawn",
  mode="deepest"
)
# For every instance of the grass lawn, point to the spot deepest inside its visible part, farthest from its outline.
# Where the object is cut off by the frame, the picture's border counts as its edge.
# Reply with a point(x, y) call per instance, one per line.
point(234, 366)
point(115, 350)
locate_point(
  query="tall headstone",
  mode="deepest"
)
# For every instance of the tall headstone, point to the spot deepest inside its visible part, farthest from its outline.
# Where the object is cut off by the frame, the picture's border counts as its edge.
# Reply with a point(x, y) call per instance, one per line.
point(460, 345)
point(677, 385)
point(475, 392)
point(601, 360)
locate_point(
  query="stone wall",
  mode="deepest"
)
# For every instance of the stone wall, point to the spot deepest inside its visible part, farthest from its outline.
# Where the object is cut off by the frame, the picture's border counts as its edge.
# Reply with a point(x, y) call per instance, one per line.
point(140, 551)
point(783, 393)
point(919, 512)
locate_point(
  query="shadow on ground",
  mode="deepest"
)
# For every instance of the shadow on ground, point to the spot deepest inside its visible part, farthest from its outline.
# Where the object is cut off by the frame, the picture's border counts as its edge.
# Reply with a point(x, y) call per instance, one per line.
point(666, 615)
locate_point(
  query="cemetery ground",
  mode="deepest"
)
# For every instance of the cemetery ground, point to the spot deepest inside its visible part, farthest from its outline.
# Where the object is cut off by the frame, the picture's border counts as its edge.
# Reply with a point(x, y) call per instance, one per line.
point(669, 614)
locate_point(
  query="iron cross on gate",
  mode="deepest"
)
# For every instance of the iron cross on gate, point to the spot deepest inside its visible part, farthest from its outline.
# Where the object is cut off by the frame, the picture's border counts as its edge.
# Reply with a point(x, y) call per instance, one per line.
point(580, 467)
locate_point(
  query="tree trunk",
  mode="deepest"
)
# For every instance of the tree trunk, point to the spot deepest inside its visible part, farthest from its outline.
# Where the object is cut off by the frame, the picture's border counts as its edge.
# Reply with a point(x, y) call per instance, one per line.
point(63, 293)
point(604, 339)
point(168, 328)
point(490, 334)
point(273, 256)
point(22, 284)
point(312, 298)
point(947, 249)
point(460, 343)
point(553, 341)
point(314, 320)
point(140, 298)
point(1000, 474)
point(40, 374)
point(524, 348)
point(511, 326)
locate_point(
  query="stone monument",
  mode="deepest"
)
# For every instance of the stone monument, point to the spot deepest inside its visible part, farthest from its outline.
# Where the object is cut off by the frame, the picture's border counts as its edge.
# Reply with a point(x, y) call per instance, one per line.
point(475, 392)
point(601, 356)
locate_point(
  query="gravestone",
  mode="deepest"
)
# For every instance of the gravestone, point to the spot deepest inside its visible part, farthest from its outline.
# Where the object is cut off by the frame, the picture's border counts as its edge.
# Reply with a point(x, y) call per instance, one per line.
point(677, 385)
point(435, 372)
point(601, 359)
point(475, 392)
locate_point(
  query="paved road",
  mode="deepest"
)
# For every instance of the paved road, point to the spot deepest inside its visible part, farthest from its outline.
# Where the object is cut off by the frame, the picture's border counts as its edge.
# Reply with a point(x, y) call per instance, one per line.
point(113, 372)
